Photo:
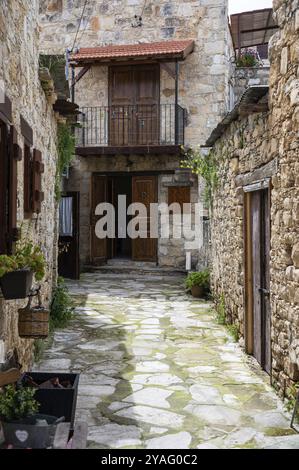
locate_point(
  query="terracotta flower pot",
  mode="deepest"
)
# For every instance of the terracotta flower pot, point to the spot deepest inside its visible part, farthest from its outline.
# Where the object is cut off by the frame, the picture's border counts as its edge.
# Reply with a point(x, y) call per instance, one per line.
point(197, 291)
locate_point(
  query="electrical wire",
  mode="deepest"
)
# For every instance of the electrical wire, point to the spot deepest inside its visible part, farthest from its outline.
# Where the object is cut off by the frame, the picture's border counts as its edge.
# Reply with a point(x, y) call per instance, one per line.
point(85, 27)
point(82, 14)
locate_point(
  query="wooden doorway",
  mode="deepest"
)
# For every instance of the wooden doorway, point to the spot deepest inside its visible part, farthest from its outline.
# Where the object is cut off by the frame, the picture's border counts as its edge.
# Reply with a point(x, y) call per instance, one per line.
point(137, 188)
point(69, 234)
point(134, 97)
point(144, 190)
point(257, 275)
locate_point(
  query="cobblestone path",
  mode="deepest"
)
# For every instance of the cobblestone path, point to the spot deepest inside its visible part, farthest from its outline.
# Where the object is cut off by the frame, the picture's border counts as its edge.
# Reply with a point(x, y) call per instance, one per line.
point(157, 371)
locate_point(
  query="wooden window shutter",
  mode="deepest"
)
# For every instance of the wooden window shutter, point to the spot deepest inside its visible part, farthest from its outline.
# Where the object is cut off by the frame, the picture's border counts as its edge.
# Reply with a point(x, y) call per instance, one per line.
point(27, 180)
point(15, 154)
point(38, 170)
point(179, 194)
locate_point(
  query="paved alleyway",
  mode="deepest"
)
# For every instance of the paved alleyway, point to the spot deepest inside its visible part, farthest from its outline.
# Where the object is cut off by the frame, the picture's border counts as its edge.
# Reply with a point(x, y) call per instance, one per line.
point(157, 371)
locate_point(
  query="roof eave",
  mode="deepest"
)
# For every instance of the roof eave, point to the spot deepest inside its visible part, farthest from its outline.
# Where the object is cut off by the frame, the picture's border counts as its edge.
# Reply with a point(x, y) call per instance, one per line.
point(246, 105)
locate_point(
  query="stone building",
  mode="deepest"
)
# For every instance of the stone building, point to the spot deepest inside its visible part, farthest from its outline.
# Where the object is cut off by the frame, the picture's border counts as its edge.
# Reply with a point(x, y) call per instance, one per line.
point(150, 76)
point(254, 228)
point(28, 128)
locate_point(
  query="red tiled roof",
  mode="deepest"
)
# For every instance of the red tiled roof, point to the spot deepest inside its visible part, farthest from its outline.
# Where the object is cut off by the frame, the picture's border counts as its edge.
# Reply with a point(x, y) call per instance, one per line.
point(178, 49)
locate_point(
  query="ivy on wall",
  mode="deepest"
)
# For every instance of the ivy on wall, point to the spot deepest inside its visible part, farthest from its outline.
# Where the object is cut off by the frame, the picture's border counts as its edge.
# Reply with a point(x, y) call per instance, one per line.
point(204, 166)
point(66, 152)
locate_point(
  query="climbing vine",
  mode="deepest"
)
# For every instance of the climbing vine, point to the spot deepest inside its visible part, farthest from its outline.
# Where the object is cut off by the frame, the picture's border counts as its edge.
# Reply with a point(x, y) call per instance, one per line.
point(66, 152)
point(203, 165)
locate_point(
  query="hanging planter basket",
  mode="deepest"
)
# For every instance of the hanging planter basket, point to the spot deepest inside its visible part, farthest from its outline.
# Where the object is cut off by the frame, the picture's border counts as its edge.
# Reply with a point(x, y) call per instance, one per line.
point(34, 321)
point(16, 284)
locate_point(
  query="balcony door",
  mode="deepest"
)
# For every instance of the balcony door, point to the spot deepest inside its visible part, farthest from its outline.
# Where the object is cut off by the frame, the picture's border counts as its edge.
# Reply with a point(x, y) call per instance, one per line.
point(134, 95)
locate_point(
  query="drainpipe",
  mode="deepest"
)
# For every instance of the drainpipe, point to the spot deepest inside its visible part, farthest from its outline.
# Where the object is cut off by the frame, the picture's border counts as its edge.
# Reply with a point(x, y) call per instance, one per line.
point(73, 84)
point(176, 102)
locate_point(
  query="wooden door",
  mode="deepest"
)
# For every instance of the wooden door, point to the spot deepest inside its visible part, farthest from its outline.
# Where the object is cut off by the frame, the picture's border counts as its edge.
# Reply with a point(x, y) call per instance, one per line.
point(99, 194)
point(69, 237)
point(257, 278)
point(144, 190)
point(134, 105)
point(146, 80)
point(121, 101)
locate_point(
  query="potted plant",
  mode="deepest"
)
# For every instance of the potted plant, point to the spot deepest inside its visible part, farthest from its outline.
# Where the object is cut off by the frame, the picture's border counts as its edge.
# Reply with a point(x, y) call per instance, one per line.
point(16, 271)
point(198, 283)
point(248, 58)
point(22, 426)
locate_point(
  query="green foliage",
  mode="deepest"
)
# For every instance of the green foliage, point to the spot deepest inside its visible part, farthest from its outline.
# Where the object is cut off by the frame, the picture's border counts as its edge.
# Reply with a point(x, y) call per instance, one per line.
point(27, 256)
point(222, 318)
point(247, 58)
point(201, 278)
point(66, 152)
point(62, 306)
point(233, 331)
point(292, 393)
point(220, 309)
point(53, 63)
point(17, 404)
point(204, 166)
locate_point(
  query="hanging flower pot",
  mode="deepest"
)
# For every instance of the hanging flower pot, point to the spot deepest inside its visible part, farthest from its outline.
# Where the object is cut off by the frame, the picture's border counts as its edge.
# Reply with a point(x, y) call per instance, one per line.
point(16, 270)
point(34, 321)
point(16, 284)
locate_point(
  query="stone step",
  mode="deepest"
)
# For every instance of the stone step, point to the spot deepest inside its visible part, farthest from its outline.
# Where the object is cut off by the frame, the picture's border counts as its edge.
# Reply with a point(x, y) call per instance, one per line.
point(139, 269)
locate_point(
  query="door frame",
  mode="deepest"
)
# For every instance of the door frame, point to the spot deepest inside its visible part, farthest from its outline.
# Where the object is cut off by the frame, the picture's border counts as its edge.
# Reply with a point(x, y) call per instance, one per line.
point(110, 175)
point(248, 263)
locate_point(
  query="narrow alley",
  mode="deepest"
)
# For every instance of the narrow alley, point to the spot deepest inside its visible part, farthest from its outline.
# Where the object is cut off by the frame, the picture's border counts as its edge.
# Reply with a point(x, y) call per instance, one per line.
point(158, 371)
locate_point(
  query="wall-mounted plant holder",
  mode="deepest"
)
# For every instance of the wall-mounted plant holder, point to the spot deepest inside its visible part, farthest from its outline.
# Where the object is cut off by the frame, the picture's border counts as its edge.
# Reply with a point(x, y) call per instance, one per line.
point(16, 284)
point(34, 321)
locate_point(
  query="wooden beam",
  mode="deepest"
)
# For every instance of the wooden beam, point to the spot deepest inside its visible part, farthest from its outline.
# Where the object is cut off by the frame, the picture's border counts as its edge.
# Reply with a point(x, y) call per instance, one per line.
point(81, 74)
point(134, 150)
point(168, 69)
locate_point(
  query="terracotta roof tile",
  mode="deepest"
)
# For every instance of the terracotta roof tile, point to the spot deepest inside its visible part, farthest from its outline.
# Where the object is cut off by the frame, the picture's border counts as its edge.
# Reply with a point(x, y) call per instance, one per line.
point(164, 49)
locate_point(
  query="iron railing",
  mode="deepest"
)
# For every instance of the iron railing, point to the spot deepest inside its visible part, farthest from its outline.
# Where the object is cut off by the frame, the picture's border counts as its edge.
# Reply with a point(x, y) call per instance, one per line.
point(131, 125)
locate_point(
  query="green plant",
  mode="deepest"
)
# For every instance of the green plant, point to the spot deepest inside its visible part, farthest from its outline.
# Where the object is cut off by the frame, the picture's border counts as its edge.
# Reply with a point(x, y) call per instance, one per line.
point(27, 256)
point(292, 393)
point(221, 311)
point(201, 278)
point(17, 404)
point(233, 331)
point(204, 166)
point(247, 58)
point(62, 306)
point(66, 152)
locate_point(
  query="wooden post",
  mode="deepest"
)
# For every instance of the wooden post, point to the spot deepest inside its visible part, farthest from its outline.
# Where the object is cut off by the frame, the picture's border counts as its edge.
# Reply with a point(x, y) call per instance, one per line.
point(73, 84)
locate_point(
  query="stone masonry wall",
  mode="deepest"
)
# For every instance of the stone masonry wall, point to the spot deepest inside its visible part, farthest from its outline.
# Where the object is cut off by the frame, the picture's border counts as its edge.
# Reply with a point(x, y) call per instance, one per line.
point(19, 39)
point(170, 252)
point(249, 144)
point(203, 88)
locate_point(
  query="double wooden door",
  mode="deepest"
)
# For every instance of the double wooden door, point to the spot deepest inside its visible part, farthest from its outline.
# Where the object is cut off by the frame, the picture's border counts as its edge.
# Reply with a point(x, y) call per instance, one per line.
point(104, 189)
point(257, 276)
point(134, 105)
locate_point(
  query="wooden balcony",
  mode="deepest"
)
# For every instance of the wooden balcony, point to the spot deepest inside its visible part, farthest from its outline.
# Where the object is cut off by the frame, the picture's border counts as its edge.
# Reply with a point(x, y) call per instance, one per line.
point(130, 129)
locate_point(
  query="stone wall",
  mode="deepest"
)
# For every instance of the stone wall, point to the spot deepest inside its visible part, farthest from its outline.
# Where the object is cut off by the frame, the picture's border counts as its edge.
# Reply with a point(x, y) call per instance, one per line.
point(203, 88)
point(19, 40)
point(247, 145)
point(170, 252)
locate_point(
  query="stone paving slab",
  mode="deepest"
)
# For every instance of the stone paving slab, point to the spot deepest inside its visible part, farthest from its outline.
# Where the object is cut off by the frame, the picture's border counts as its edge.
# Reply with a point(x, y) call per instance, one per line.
point(157, 371)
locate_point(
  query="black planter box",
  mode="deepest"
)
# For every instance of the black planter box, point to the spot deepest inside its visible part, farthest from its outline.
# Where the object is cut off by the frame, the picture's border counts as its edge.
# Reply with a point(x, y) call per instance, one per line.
point(57, 401)
point(17, 284)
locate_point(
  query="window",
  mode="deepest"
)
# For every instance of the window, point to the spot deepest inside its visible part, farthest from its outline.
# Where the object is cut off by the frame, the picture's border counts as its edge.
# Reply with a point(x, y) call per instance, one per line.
point(179, 194)
point(9, 154)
